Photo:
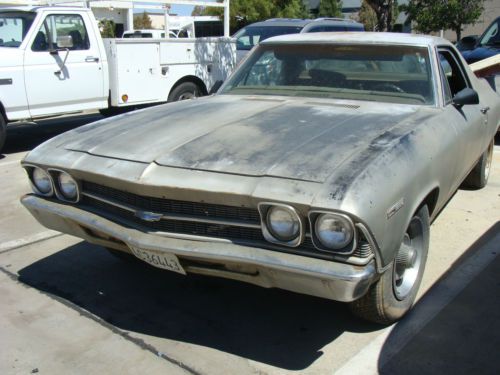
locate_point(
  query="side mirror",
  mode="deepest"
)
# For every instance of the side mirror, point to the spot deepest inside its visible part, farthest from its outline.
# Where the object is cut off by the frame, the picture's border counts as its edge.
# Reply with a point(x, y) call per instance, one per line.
point(215, 87)
point(467, 43)
point(465, 97)
point(64, 41)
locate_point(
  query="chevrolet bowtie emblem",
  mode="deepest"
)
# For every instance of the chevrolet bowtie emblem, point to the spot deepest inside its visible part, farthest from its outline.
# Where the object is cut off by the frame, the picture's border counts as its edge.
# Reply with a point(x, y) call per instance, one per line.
point(148, 216)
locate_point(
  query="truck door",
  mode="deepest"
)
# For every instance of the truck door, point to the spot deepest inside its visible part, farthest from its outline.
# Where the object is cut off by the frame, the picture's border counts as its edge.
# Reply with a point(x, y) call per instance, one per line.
point(59, 79)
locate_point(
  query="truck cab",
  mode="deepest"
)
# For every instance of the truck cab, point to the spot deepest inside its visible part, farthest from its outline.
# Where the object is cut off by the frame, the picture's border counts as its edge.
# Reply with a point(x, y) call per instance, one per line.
point(53, 61)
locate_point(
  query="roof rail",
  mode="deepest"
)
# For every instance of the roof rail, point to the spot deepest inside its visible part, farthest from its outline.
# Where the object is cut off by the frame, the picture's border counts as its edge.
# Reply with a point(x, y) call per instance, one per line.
point(334, 19)
point(284, 19)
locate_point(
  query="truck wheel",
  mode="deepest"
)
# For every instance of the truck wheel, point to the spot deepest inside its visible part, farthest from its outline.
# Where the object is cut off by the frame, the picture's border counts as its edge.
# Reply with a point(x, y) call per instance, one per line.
point(186, 90)
point(478, 177)
point(3, 131)
point(394, 293)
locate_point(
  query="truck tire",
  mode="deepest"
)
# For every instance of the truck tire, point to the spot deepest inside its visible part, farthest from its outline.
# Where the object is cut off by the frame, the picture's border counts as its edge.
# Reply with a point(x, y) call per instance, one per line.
point(394, 293)
point(478, 177)
point(184, 91)
point(3, 131)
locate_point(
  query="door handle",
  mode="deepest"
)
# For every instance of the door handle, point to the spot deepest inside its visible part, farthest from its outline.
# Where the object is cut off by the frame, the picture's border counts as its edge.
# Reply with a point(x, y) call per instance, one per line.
point(91, 59)
point(485, 110)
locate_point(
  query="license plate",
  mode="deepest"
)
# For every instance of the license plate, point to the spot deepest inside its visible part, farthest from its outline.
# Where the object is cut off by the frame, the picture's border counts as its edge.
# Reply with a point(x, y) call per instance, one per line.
point(158, 259)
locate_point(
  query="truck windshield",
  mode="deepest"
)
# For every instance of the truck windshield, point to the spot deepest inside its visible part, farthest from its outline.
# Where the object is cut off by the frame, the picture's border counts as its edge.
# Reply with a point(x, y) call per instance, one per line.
point(392, 73)
point(491, 36)
point(249, 36)
point(13, 27)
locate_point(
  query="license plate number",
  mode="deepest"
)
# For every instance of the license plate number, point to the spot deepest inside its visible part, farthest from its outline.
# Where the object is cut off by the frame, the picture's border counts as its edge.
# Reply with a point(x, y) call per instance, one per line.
point(158, 259)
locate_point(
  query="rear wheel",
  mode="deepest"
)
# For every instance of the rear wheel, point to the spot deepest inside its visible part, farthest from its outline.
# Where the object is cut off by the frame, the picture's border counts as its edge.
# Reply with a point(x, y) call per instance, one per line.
point(186, 90)
point(3, 131)
point(394, 293)
point(478, 177)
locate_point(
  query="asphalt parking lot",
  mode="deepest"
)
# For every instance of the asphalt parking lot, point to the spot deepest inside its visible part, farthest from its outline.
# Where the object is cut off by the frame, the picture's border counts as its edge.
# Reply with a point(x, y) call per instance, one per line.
point(70, 307)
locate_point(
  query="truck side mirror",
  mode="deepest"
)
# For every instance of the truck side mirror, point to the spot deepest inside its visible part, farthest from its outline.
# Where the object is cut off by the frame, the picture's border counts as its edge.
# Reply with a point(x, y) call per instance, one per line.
point(64, 41)
point(467, 43)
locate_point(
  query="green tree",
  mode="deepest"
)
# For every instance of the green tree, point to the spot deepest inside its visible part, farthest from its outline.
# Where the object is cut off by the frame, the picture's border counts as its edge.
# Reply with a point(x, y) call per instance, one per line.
point(367, 17)
point(142, 22)
point(329, 8)
point(107, 28)
point(435, 15)
point(385, 11)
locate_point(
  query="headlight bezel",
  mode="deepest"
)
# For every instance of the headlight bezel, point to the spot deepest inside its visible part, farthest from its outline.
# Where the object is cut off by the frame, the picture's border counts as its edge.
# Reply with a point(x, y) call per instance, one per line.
point(264, 209)
point(348, 248)
point(30, 169)
point(55, 174)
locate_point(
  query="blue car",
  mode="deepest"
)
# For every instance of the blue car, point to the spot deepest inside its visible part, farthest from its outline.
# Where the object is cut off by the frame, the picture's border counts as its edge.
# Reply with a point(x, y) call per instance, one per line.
point(475, 49)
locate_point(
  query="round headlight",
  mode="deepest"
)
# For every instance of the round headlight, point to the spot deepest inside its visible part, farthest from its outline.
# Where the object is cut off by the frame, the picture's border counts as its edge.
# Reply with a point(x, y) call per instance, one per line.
point(283, 223)
point(333, 231)
point(67, 186)
point(42, 181)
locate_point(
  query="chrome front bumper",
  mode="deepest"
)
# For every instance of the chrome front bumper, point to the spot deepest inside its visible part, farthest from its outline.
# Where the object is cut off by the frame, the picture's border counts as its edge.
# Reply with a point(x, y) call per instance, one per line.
point(266, 268)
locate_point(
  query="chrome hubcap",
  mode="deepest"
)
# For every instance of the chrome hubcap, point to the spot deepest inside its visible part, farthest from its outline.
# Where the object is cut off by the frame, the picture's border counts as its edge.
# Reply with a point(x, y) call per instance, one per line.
point(408, 260)
point(488, 161)
point(187, 95)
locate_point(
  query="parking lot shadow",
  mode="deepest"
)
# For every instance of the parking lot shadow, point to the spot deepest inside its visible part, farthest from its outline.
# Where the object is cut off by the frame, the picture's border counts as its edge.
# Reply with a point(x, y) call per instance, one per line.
point(271, 326)
point(26, 136)
point(464, 336)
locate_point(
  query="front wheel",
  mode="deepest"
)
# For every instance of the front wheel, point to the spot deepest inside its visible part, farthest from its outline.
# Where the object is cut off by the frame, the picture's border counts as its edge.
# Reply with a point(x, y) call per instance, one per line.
point(394, 293)
point(186, 90)
point(3, 131)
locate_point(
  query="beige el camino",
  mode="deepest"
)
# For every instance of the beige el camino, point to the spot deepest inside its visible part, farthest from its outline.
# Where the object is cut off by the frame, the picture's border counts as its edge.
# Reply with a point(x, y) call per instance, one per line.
point(318, 167)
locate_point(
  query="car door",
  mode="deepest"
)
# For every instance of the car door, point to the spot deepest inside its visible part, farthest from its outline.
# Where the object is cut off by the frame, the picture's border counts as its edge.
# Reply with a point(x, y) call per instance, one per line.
point(60, 80)
point(468, 121)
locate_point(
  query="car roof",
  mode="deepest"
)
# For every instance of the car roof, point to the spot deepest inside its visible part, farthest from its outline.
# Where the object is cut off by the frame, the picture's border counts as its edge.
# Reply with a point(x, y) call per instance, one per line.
point(273, 22)
point(359, 38)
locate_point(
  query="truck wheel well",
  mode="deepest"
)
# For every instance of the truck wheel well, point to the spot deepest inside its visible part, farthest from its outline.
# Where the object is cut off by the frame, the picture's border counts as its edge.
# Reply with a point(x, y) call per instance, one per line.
point(198, 82)
point(431, 200)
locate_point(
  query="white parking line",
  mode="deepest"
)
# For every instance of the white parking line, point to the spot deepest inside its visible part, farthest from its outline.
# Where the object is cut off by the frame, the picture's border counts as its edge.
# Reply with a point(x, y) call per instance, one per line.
point(368, 361)
point(28, 240)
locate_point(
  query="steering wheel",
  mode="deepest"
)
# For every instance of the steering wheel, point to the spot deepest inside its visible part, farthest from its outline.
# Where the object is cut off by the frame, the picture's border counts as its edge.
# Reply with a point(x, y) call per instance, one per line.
point(391, 87)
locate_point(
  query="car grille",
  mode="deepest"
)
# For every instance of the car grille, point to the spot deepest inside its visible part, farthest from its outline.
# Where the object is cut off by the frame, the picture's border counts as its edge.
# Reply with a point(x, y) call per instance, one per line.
point(237, 224)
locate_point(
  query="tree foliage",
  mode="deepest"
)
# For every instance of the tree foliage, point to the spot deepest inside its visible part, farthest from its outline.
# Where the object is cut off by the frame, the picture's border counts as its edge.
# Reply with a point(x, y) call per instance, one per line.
point(435, 15)
point(367, 17)
point(142, 22)
point(329, 8)
point(107, 28)
point(385, 11)
point(243, 12)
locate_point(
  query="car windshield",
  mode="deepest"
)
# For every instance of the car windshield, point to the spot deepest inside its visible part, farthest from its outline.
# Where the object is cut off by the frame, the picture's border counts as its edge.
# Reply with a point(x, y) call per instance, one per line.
point(393, 74)
point(249, 36)
point(491, 37)
point(13, 27)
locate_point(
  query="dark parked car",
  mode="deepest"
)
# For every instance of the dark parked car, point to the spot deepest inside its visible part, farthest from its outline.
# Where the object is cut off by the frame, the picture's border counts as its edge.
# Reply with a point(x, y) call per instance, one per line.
point(475, 49)
point(255, 33)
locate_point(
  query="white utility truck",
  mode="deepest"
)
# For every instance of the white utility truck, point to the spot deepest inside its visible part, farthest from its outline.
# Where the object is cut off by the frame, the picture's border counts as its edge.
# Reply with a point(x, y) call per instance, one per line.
point(53, 61)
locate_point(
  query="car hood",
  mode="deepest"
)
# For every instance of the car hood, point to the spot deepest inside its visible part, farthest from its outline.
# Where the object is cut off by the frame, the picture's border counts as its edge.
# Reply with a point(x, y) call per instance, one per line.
point(480, 53)
point(254, 136)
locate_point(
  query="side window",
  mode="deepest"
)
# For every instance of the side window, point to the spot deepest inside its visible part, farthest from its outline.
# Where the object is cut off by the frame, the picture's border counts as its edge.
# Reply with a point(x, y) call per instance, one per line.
point(57, 25)
point(452, 71)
